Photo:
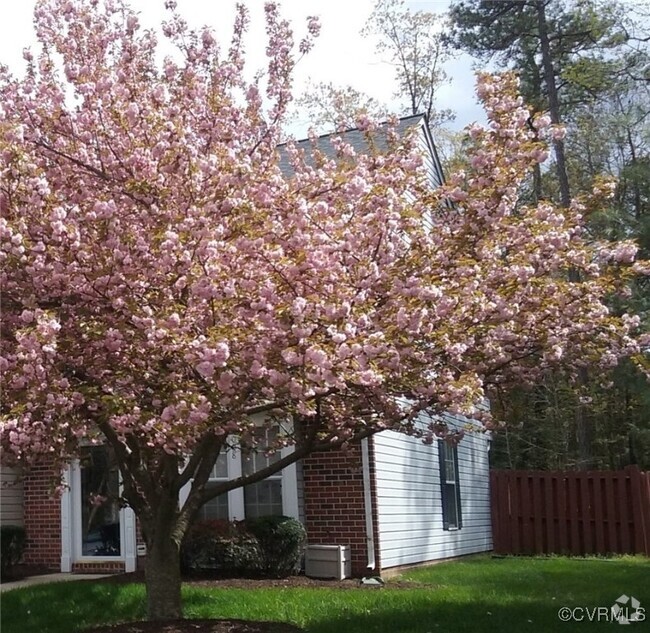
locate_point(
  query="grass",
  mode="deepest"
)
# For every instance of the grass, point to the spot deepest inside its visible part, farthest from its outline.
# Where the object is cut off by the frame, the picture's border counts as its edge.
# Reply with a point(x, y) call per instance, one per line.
point(477, 595)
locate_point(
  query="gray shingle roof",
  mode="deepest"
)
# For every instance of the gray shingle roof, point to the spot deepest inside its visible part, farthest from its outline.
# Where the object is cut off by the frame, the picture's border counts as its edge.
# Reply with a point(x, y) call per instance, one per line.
point(355, 137)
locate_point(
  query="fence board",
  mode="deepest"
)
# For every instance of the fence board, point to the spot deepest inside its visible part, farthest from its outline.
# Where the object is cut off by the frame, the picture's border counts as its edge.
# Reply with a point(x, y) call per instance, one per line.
point(538, 512)
point(563, 533)
point(524, 488)
point(515, 508)
point(574, 535)
point(585, 512)
point(599, 521)
point(550, 510)
point(593, 512)
point(640, 504)
point(624, 498)
point(611, 514)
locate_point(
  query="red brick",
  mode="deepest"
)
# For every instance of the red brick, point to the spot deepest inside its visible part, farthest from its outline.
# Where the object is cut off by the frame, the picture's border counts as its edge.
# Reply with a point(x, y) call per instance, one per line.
point(42, 511)
point(335, 505)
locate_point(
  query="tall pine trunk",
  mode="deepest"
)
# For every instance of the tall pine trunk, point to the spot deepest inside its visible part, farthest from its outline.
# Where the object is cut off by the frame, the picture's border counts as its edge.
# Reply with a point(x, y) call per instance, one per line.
point(583, 418)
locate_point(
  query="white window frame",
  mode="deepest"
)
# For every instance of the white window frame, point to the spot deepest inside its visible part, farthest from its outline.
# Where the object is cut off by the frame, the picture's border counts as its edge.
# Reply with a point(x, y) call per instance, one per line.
point(448, 456)
point(236, 507)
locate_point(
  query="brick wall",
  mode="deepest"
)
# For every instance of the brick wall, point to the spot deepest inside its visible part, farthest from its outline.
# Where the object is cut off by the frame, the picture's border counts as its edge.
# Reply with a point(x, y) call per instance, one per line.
point(101, 567)
point(334, 503)
point(42, 508)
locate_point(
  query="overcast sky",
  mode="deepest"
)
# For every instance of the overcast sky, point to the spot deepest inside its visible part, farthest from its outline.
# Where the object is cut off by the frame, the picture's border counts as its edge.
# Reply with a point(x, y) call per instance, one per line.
point(341, 55)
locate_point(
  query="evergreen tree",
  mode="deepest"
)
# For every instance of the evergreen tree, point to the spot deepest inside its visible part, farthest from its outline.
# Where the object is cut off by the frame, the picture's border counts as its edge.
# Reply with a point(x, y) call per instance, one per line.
point(585, 63)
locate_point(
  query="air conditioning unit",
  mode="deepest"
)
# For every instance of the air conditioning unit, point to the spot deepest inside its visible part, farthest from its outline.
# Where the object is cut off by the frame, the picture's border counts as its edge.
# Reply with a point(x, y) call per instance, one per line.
point(328, 561)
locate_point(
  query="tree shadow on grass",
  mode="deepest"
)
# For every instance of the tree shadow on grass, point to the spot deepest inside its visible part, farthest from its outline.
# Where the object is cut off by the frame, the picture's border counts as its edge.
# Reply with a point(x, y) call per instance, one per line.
point(472, 617)
point(70, 606)
point(411, 611)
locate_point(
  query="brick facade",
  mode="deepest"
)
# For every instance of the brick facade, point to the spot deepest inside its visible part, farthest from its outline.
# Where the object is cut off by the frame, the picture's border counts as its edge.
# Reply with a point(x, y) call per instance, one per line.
point(102, 567)
point(334, 503)
point(334, 512)
point(42, 511)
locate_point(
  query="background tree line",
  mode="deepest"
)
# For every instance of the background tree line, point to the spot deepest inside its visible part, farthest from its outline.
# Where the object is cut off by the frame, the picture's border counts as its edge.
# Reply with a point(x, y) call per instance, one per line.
point(586, 63)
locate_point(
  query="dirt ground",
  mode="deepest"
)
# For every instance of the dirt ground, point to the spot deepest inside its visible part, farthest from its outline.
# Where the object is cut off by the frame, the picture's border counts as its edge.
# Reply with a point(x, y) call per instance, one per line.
point(246, 583)
point(199, 626)
point(221, 626)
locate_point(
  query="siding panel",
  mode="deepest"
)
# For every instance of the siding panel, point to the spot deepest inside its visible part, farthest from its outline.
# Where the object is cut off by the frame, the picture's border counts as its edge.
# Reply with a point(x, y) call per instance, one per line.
point(11, 497)
point(409, 504)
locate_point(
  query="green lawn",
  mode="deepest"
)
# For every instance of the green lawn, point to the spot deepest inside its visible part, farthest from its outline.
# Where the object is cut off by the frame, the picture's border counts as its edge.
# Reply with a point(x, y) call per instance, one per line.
point(475, 595)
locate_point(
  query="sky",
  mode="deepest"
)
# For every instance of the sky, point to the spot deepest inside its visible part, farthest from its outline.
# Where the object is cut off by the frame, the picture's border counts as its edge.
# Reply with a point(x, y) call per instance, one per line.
point(341, 55)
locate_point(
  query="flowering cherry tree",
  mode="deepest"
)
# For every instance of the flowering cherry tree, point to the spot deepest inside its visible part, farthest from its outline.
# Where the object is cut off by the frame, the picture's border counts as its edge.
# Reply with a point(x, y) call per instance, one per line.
point(165, 285)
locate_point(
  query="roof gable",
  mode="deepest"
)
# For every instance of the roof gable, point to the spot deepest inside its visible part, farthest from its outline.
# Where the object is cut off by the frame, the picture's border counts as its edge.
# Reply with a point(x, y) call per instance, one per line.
point(359, 141)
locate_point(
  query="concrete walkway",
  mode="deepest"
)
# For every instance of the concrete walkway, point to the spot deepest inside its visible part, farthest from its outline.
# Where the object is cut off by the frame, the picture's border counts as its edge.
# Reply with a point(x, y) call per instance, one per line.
point(44, 579)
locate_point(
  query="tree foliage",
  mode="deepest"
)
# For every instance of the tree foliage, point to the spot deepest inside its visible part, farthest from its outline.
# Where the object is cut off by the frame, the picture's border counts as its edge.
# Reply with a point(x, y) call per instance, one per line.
point(586, 62)
point(414, 46)
point(166, 285)
point(331, 108)
point(413, 41)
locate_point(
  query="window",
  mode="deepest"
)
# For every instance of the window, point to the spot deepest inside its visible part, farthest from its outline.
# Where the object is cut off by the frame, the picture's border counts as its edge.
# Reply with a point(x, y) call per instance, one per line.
point(263, 498)
point(449, 486)
point(218, 508)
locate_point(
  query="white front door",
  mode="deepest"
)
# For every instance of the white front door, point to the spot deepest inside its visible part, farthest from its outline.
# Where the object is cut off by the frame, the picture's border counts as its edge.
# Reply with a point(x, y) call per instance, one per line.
point(95, 529)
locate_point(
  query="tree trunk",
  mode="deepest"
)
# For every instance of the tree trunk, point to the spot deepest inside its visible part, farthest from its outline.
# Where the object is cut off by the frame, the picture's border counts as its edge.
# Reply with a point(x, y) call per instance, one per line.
point(583, 421)
point(163, 579)
point(553, 101)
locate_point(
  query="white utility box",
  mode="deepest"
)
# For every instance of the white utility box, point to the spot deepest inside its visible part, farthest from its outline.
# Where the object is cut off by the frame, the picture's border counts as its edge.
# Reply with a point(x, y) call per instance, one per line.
point(328, 561)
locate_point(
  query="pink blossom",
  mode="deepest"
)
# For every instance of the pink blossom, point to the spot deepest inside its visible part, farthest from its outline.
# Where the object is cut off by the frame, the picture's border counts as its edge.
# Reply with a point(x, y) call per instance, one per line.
point(171, 284)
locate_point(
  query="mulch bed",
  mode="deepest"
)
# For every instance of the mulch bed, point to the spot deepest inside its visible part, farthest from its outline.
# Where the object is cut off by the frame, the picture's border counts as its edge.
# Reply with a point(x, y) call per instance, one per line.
point(245, 583)
point(199, 626)
point(261, 583)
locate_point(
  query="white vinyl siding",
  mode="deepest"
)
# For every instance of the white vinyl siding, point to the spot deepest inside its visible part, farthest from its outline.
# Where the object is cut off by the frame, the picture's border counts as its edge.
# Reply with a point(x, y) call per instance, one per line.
point(409, 501)
point(429, 155)
point(11, 497)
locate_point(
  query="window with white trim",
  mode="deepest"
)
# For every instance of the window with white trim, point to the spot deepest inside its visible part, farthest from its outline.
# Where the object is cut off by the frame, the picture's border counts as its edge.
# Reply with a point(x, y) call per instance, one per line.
point(262, 498)
point(275, 495)
point(219, 507)
point(449, 486)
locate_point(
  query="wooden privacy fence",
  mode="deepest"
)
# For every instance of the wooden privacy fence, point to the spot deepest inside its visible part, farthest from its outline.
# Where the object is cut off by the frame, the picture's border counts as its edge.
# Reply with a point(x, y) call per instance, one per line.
point(573, 512)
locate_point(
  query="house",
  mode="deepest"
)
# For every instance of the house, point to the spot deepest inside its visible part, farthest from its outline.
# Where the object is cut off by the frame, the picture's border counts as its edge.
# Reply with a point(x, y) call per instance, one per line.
point(393, 499)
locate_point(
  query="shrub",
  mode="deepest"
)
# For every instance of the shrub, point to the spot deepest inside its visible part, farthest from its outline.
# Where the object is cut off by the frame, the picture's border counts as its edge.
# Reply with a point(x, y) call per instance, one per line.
point(221, 547)
point(12, 546)
point(281, 541)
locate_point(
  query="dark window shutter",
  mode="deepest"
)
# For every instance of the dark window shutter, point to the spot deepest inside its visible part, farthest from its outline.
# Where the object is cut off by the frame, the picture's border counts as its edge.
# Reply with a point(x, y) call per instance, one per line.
point(442, 447)
point(449, 491)
point(459, 512)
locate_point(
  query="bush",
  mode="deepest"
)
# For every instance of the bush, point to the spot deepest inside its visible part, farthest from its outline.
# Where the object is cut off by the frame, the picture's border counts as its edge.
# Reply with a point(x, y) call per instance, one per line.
point(281, 541)
point(268, 546)
point(12, 546)
point(222, 548)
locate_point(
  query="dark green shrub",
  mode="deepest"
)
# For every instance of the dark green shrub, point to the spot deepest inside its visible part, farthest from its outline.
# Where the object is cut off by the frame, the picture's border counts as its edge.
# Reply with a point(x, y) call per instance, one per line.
point(12, 545)
point(222, 548)
point(281, 540)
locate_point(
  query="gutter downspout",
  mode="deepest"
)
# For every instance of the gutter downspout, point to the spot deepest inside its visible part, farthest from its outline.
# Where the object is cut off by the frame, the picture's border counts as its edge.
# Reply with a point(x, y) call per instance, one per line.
point(367, 502)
